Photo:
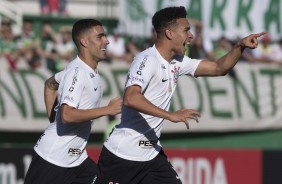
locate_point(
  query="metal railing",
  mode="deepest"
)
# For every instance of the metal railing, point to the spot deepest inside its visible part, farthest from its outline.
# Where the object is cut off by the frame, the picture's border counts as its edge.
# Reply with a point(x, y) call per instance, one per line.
point(11, 11)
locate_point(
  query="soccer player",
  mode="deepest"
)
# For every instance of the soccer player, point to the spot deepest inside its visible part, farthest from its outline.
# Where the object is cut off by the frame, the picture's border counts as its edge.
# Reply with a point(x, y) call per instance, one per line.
point(60, 156)
point(133, 154)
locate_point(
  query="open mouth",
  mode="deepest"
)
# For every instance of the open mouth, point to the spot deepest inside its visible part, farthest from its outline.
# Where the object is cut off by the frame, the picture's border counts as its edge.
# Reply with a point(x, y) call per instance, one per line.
point(186, 44)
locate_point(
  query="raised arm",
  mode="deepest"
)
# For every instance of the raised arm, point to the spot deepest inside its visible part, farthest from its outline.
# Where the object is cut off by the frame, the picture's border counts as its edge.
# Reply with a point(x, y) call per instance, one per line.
point(224, 64)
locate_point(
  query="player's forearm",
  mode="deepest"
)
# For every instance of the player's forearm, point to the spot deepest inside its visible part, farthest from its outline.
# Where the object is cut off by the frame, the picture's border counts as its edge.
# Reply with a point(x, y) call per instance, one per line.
point(73, 116)
point(49, 97)
point(139, 103)
point(228, 61)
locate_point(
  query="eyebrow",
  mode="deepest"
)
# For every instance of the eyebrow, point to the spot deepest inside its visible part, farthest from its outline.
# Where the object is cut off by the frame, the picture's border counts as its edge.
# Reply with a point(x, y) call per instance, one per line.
point(187, 28)
point(101, 34)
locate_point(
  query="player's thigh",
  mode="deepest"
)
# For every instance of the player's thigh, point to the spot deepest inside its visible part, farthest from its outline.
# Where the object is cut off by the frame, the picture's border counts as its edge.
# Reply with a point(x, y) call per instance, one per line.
point(88, 172)
point(43, 172)
point(161, 172)
point(168, 177)
point(117, 170)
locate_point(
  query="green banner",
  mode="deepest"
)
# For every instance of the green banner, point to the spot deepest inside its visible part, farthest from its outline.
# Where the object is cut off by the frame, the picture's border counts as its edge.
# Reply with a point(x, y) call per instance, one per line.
point(250, 100)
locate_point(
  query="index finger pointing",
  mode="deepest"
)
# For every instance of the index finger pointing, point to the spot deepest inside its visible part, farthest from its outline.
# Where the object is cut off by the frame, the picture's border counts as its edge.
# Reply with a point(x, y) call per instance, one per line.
point(260, 34)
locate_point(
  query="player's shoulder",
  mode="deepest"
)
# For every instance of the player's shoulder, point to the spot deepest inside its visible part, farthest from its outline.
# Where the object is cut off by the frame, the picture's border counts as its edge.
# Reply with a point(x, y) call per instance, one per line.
point(75, 67)
point(182, 59)
point(146, 56)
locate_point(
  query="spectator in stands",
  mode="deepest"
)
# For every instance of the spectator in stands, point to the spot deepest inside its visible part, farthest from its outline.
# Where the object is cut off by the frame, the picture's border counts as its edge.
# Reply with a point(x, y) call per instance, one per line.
point(44, 7)
point(200, 47)
point(277, 52)
point(150, 41)
point(26, 45)
point(64, 49)
point(264, 54)
point(8, 47)
point(116, 48)
point(46, 47)
point(222, 47)
point(53, 7)
point(131, 49)
point(264, 50)
point(63, 7)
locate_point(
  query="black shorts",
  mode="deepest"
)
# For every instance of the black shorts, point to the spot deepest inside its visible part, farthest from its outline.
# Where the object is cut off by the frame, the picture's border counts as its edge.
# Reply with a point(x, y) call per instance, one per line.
point(116, 170)
point(42, 172)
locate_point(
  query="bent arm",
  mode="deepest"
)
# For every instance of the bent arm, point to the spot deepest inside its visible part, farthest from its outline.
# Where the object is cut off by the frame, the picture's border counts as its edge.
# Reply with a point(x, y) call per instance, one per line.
point(72, 115)
point(135, 100)
point(50, 95)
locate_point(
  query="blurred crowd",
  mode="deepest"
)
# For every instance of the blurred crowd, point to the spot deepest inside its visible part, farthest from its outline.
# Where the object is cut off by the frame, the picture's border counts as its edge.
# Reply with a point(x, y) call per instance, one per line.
point(48, 48)
point(53, 7)
point(54, 49)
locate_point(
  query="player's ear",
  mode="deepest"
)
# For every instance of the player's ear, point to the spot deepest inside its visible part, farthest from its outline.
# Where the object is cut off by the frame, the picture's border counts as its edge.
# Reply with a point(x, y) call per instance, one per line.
point(168, 33)
point(83, 42)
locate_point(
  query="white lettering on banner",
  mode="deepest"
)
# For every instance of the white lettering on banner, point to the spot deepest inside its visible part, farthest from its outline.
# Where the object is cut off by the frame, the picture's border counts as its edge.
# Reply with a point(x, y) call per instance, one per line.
point(8, 174)
point(26, 162)
point(200, 170)
point(251, 101)
point(229, 18)
point(8, 171)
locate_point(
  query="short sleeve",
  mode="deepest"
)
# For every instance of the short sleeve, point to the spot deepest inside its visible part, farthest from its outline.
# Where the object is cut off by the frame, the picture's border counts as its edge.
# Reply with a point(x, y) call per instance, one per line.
point(189, 66)
point(140, 72)
point(58, 76)
point(73, 84)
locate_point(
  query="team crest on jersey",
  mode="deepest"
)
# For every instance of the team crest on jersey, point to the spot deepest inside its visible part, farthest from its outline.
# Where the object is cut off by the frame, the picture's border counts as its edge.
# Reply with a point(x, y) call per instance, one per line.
point(176, 73)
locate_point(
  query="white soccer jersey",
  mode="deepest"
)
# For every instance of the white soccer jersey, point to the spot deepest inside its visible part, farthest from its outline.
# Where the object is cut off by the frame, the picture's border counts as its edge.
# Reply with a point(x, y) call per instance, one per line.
point(64, 144)
point(137, 136)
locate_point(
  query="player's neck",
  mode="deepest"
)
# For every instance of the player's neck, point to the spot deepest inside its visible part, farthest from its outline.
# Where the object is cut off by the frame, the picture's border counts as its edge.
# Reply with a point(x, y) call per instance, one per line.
point(90, 62)
point(164, 50)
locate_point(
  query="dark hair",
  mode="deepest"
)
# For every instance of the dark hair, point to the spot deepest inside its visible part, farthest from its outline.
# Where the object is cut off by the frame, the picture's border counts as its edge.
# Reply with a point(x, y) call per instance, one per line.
point(167, 17)
point(81, 26)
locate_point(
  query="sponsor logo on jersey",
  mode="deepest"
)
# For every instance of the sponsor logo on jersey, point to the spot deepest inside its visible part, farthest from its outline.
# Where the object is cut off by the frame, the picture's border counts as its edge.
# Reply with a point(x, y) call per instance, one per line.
point(142, 65)
point(69, 98)
point(146, 144)
point(74, 152)
point(74, 79)
point(71, 89)
point(163, 66)
point(164, 80)
point(136, 79)
point(95, 89)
